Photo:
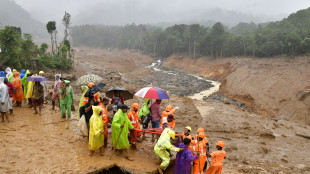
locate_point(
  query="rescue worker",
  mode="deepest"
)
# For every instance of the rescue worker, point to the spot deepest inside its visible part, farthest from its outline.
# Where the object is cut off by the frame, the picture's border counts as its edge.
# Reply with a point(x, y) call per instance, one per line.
point(96, 95)
point(205, 141)
point(163, 144)
point(169, 110)
point(218, 158)
point(4, 100)
point(120, 120)
point(184, 159)
point(66, 99)
point(105, 118)
point(18, 96)
point(134, 120)
point(201, 152)
point(144, 113)
point(96, 131)
point(186, 134)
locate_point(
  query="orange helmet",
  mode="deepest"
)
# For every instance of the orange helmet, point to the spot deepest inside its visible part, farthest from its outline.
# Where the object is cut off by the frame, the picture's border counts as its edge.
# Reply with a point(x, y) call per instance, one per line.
point(91, 84)
point(201, 135)
point(200, 130)
point(220, 143)
point(169, 108)
point(135, 105)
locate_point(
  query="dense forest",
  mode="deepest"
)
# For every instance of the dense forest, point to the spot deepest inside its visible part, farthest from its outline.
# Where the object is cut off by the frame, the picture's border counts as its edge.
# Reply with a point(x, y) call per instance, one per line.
point(288, 37)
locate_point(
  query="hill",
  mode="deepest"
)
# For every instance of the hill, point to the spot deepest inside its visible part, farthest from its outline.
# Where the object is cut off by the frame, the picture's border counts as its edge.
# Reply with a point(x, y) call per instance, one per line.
point(14, 15)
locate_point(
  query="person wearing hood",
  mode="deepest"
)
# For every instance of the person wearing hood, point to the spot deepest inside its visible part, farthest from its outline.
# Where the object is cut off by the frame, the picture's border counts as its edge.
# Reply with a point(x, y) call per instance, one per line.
point(11, 89)
point(4, 100)
point(184, 159)
point(18, 96)
point(25, 85)
point(55, 95)
point(121, 121)
point(144, 113)
point(37, 98)
point(8, 72)
point(2, 74)
point(66, 99)
point(105, 118)
point(84, 89)
point(22, 75)
point(134, 119)
point(12, 76)
point(96, 131)
point(30, 91)
point(163, 144)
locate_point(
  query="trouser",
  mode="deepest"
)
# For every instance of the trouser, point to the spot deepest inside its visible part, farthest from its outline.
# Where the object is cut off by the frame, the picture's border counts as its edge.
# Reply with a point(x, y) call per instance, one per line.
point(214, 170)
point(64, 107)
point(164, 155)
point(145, 121)
point(199, 169)
point(105, 136)
point(155, 124)
point(134, 135)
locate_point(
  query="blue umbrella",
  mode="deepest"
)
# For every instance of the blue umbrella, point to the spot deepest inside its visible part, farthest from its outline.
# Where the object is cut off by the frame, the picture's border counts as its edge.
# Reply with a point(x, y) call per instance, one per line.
point(37, 78)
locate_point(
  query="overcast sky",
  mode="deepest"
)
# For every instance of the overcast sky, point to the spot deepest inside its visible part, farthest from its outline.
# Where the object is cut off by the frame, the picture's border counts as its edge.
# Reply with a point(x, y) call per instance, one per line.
point(45, 10)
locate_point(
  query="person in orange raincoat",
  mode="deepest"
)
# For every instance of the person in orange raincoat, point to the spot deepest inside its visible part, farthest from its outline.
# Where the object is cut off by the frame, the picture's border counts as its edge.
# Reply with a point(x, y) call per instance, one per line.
point(134, 118)
point(18, 96)
point(201, 152)
point(218, 158)
point(105, 118)
point(205, 141)
point(169, 110)
point(96, 95)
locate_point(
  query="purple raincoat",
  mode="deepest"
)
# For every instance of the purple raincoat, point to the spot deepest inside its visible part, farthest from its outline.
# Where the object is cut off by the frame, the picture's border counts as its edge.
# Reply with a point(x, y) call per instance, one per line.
point(183, 160)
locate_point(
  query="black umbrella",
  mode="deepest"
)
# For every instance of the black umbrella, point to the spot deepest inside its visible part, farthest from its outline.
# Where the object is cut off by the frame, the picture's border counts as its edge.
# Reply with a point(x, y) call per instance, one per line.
point(122, 91)
point(94, 89)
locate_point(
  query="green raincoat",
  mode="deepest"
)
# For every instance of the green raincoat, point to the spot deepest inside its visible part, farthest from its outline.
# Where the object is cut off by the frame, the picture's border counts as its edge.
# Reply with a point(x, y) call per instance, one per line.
point(25, 82)
point(66, 101)
point(96, 139)
point(84, 89)
point(145, 108)
point(11, 78)
point(118, 120)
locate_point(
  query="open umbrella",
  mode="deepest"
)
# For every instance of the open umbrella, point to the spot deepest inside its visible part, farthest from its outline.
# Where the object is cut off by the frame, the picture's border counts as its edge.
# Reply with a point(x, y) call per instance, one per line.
point(122, 91)
point(37, 78)
point(152, 92)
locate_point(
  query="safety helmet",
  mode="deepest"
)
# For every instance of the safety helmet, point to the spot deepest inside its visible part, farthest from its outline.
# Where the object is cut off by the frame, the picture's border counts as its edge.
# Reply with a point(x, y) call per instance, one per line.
point(91, 84)
point(200, 130)
point(201, 135)
point(189, 128)
point(41, 72)
point(135, 105)
point(220, 143)
point(171, 134)
point(169, 108)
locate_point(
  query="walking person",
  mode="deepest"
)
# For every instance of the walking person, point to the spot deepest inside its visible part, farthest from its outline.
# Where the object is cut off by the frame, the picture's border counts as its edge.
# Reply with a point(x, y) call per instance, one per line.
point(218, 158)
point(37, 97)
point(66, 99)
point(121, 122)
point(96, 131)
point(134, 119)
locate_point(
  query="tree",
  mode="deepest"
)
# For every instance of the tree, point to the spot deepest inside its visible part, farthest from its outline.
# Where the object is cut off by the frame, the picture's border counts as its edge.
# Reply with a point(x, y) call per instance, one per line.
point(43, 48)
point(66, 21)
point(51, 28)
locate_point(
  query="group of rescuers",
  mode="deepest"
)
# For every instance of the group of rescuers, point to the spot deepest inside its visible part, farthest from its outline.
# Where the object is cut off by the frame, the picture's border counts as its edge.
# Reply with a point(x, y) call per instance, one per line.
point(190, 149)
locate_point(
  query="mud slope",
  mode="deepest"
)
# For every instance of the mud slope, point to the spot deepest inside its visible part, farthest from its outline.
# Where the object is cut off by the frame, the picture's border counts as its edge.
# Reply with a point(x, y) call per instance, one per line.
point(271, 87)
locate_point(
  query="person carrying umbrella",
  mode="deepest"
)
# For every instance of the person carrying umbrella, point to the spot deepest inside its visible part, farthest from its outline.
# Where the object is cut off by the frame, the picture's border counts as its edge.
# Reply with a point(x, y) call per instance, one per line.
point(66, 99)
point(156, 114)
point(120, 126)
point(37, 96)
point(18, 96)
point(117, 101)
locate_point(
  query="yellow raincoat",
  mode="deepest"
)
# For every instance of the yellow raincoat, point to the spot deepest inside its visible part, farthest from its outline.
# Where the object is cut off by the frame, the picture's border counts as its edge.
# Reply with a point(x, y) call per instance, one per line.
point(96, 139)
point(29, 89)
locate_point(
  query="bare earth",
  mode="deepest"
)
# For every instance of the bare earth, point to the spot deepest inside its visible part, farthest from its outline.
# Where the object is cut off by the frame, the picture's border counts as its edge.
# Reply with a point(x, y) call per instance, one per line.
point(255, 144)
